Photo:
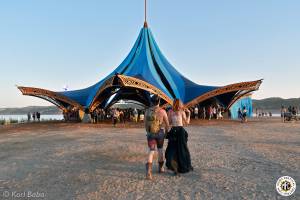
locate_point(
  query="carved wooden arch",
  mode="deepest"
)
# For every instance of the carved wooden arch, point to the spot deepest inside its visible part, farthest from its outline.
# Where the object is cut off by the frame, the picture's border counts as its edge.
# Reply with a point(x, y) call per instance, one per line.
point(108, 83)
point(239, 96)
point(128, 81)
point(250, 86)
point(140, 84)
point(42, 93)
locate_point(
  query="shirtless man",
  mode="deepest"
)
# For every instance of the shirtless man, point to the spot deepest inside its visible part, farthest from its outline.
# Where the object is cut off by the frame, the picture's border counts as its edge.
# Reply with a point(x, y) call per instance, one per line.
point(155, 119)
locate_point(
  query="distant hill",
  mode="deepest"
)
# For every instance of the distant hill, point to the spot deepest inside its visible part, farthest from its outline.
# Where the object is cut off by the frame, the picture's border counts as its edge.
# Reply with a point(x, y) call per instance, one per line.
point(44, 110)
point(275, 103)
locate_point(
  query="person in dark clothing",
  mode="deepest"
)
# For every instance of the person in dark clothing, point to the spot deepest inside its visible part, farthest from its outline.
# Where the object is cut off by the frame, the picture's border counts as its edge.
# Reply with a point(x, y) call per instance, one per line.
point(38, 116)
point(28, 117)
point(294, 111)
point(122, 118)
point(244, 114)
point(240, 114)
point(177, 154)
point(33, 116)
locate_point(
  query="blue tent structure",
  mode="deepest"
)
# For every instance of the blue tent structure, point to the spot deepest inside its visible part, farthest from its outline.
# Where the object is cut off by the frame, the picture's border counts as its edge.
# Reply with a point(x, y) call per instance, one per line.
point(246, 102)
point(144, 72)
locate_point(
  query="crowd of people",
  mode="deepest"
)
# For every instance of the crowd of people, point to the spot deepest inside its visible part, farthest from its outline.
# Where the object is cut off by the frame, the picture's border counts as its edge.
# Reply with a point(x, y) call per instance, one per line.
point(289, 113)
point(291, 109)
point(71, 115)
point(262, 113)
point(115, 115)
point(207, 112)
point(118, 115)
point(35, 116)
point(136, 115)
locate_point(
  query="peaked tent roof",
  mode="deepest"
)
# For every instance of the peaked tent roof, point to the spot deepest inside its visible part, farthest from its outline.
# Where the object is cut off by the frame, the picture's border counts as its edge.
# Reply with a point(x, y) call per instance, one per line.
point(145, 62)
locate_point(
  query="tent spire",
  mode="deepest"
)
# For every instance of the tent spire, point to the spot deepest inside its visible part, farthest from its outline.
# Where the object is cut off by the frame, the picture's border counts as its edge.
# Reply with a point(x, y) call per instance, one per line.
point(145, 23)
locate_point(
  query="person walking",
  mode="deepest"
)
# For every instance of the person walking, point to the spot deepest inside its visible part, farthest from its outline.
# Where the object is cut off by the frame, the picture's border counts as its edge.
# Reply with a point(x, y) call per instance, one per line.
point(204, 113)
point(33, 116)
point(215, 112)
point(115, 116)
point(135, 115)
point(210, 112)
point(38, 116)
point(196, 110)
point(156, 125)
point(240, 115)
point(177, 155)
point(28, 117)
point(244, 114)
point(122, 117)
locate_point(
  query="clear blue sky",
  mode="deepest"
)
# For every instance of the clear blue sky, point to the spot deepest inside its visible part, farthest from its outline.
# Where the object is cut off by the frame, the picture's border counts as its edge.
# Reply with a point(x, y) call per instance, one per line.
point(51, 43)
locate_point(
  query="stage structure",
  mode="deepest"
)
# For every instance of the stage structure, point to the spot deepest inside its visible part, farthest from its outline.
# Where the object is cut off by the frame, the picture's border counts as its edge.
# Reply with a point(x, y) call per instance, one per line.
point(144, 72)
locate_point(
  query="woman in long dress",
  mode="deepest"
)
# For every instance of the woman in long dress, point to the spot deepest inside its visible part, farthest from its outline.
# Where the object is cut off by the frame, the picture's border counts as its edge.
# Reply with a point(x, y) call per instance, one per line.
point(177, 154)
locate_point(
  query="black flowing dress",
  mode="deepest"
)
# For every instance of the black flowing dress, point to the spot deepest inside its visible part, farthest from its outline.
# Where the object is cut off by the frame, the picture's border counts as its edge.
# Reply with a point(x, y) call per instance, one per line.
point(177, 154)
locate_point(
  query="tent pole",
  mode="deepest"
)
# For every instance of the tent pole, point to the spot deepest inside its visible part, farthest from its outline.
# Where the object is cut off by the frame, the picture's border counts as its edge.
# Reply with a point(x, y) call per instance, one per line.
point(145, 10)
point(145, 23)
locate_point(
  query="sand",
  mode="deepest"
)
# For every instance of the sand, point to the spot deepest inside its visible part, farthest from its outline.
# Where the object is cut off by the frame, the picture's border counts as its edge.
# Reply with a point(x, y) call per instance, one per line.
point(74, 161)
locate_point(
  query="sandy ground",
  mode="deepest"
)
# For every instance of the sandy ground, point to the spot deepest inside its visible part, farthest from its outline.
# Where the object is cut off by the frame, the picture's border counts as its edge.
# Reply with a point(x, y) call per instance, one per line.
point(73, 161)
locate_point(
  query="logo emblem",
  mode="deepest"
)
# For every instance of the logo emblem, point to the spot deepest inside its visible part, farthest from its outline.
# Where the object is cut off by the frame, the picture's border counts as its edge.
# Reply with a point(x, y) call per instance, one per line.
point(286, 186)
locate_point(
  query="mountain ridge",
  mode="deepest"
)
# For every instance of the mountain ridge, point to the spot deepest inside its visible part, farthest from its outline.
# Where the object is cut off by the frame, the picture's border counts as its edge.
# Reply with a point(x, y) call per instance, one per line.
point(275, 103)
point(44, 110)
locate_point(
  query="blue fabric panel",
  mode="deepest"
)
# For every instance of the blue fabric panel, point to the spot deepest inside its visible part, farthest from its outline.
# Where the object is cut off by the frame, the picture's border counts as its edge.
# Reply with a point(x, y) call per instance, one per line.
point(79, 96)
point(193, 90)
point(174, 79)
point(247, 102)
point(142, 65)
point(183, 88)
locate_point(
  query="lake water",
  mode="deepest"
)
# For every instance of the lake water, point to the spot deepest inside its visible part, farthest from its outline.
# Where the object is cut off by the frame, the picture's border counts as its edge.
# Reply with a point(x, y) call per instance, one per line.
point(21, 118)
point(273, 115)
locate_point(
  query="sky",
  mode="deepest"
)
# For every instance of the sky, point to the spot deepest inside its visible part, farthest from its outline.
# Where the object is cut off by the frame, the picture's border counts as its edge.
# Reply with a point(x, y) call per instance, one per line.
point(53, 43)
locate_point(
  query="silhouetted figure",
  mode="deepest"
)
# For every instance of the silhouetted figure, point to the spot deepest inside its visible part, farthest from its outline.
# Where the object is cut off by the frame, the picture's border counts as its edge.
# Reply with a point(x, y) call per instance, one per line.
point(204, 113)
point(240, 115)
point(244, 114)
point(38, 116)
point(33, 116)
point(28, 117)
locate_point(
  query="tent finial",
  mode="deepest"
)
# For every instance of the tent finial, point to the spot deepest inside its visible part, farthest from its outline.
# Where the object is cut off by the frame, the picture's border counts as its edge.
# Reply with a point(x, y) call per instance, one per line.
point(145, 23)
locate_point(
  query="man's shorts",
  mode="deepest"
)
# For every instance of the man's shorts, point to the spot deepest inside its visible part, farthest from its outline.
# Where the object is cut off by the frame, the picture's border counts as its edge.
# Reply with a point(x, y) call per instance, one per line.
point(156, 140)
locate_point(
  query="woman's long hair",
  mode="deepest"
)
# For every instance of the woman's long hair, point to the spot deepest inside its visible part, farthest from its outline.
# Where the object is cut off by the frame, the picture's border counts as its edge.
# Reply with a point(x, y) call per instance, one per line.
point(177, 105)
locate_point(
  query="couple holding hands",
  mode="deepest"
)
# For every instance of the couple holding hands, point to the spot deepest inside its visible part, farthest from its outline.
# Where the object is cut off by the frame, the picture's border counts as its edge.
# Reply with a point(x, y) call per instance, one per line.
point(159, 125)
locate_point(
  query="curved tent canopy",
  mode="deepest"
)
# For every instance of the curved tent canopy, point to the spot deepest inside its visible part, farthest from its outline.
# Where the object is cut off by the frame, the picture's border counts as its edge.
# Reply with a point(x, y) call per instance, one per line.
point(146, 68)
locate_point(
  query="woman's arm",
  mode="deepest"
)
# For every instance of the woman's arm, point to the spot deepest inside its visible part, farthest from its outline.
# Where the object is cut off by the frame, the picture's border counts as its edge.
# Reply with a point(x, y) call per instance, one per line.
point(186, 117)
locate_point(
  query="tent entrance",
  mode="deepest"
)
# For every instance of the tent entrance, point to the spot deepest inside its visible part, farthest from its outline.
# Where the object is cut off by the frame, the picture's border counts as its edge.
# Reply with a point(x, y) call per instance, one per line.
point(120, 87)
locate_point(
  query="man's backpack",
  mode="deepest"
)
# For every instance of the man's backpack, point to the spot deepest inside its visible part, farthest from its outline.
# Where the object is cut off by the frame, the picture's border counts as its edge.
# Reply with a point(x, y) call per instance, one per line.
point(152, 122)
